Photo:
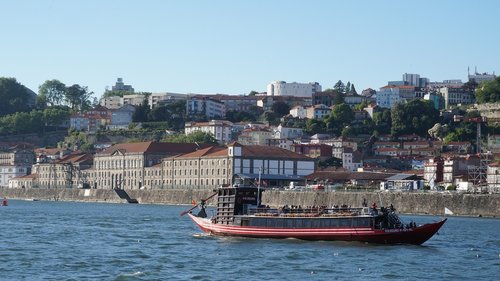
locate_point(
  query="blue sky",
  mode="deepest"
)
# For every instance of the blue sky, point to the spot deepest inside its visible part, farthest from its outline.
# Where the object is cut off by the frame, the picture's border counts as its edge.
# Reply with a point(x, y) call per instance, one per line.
point(236, 46)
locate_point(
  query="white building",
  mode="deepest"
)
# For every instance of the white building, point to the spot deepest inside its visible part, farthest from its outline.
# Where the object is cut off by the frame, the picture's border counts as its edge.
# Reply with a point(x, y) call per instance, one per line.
point(113, 102)
point(15, 162)
point(161, 98)
point(281, 132)
point(220, 129)
point(214, 166)
point(120, 86)
point(318, 111)
point(121, 117)
point(493, 177)
point(204, 105)
point(8, 172)
point(282, 88)
point(388, 96)
point(479, 78)
point(456, 95)
point(298, 112)
point(133, 99)
point(415, 80)
point(351, 160)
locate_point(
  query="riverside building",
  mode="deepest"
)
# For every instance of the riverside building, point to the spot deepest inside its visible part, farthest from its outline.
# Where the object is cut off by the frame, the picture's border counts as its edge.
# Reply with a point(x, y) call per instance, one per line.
point(214, 166)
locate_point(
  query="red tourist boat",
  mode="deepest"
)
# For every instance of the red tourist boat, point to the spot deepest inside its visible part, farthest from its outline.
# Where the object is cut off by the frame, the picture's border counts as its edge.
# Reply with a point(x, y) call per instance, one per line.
point(237, 214)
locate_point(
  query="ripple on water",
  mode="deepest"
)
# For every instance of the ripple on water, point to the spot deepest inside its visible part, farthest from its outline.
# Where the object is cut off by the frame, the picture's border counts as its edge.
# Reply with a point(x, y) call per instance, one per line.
point(86, 241)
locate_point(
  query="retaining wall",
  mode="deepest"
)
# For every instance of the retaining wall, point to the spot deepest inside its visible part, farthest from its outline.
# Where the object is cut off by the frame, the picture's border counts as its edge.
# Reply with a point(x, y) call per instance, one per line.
point(487, 205)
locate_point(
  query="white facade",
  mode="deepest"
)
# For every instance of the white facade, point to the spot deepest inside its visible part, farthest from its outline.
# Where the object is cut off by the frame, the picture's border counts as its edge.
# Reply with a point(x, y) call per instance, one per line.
point(159, 98)
point(298, 112)
point(281, 132)
point(493, 178)
point(479, 78)
point(318, 112)
point(454, 96)
point(220, 129)
point(281, 88)
point(133, 99)
point(8, 172)
point(388, 96)
point(350, 161)
point(206, 106)
point(113, 102)
point(121, 118)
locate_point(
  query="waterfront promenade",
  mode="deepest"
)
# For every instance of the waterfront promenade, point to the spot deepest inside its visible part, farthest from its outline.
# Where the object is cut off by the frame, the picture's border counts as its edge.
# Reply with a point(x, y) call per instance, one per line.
point(431, 203)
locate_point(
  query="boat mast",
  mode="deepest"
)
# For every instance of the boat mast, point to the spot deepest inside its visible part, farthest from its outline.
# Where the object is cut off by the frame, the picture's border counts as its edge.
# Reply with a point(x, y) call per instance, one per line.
point(258, 188)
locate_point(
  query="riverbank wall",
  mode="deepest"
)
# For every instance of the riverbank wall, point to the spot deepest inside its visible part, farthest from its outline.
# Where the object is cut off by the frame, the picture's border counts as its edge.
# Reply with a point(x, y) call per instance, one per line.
point(461, 204)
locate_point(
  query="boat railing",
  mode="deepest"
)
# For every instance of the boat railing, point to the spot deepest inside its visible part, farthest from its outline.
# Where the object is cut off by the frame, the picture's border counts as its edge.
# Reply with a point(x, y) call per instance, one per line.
point(292, 211)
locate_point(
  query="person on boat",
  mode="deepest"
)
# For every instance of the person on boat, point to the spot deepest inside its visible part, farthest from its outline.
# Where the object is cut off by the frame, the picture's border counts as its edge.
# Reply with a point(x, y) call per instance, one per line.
point(364, 204)
point(374, 210)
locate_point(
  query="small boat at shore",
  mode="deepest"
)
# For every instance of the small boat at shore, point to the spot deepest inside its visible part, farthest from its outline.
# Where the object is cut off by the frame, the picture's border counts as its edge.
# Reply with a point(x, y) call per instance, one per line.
point(239, 213)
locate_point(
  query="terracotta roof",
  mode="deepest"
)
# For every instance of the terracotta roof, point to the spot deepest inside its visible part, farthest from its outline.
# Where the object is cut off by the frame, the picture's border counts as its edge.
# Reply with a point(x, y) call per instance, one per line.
point(30, 176)
point(386, 143)
point(425, 149)
point(384, 149)
point(151, 147)
point(416, 143)
point(208, 151)
point(75, 158)
point(260, 151)
point(49, 151)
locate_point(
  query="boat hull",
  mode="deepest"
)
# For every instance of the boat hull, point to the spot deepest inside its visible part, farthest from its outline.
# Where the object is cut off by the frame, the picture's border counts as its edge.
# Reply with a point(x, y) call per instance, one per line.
point(415, 236)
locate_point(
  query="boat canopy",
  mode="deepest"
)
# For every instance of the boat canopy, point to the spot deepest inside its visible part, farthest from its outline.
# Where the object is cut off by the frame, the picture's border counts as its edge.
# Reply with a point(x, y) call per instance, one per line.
point(269, 177)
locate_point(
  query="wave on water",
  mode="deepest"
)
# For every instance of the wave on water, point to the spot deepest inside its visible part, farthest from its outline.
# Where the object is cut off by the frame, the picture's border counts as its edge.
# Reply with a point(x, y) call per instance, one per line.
point(127, 276)
point(202, 235)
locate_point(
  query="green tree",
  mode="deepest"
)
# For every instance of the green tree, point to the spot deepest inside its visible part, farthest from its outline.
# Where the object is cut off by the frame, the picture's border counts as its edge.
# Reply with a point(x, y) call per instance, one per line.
point(340, 117)
point(53, 91)
point(340, 87)
point(353, 90)
point(270, 117)
point(14, 97)
point(314, 126)
point(488, 91)
point(338, 97)
point(382, 121)
point(280, 108)
point(195, 137)
point(55, 115)
point(78, 97)
point(141, 112)
point(253, 93)
point(238, 116)
point(108, 94)
point(416, 116)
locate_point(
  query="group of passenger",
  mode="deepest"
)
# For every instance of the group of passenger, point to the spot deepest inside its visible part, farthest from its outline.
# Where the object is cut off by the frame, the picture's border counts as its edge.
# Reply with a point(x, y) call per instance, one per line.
point(299, 209)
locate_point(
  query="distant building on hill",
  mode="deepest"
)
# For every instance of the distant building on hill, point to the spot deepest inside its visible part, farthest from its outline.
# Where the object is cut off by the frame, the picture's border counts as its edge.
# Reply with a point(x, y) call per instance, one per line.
point(220, 129)
point(457, 95)
point(205, 105)
point(481, 77)
point(120, 86)
point(282, 88)
point(14, 162)
point(388, 96)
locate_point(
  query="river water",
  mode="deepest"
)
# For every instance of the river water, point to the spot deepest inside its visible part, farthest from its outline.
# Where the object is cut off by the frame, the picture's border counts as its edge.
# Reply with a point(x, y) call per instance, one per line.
point(44, 240)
